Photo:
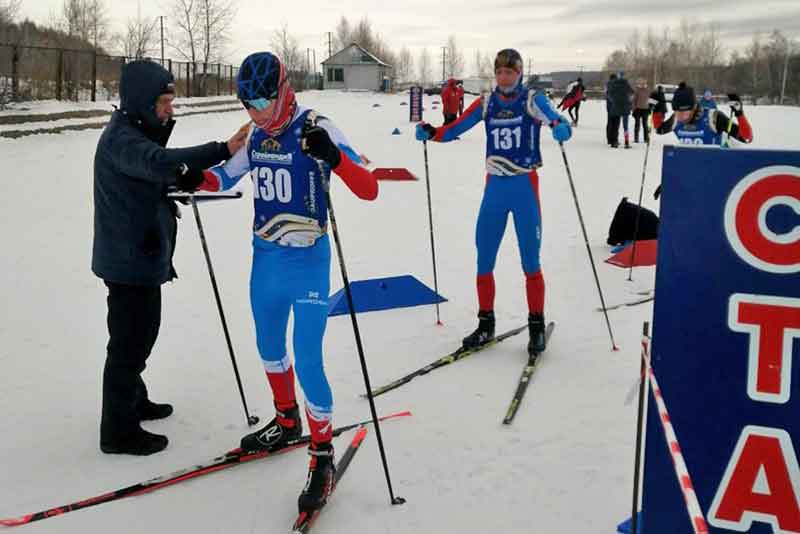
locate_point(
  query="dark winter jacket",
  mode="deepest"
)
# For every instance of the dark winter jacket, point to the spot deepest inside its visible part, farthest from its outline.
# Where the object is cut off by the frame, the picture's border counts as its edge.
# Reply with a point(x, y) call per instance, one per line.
point(134, 222)
point(619, 97)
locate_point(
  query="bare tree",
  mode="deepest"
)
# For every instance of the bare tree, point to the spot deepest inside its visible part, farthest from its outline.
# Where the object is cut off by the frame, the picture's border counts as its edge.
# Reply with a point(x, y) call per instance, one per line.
point(9, 10)
point(424, 66)
point(454, 58)
point(483, 65)
point(754, 54)
point(342, 35)
point(216, 17)
point(85, 19)
point(404, 70)
point(186, 34)
point(137, 39)
point(286, 47)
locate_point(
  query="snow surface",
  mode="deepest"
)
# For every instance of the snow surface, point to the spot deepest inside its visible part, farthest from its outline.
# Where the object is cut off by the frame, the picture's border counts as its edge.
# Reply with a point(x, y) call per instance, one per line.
point(565, 465)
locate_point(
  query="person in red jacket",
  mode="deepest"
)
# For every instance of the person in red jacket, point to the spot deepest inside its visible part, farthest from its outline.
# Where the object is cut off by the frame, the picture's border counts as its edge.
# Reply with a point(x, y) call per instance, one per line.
point(451, 101)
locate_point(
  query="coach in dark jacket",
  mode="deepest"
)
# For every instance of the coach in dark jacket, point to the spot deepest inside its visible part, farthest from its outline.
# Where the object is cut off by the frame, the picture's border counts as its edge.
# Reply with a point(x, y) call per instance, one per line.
point(134, 239)
point(618, 95)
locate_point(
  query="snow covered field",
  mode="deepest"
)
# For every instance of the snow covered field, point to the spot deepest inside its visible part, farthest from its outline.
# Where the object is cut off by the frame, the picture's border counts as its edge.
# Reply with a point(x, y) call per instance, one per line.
point(564, 466)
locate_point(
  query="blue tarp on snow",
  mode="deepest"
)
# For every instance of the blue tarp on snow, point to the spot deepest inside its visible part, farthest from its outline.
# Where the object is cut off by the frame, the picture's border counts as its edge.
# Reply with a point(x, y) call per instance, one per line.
point(383, 294)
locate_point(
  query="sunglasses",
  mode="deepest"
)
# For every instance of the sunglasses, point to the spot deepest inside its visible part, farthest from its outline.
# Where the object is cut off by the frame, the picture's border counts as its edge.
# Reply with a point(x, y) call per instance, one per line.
point(259, 104)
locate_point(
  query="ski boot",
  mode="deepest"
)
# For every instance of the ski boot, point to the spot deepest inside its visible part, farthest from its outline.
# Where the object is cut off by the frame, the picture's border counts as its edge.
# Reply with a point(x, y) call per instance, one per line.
point(320, 481)
point(285, 427)
point(483, 333)
point(537, 341)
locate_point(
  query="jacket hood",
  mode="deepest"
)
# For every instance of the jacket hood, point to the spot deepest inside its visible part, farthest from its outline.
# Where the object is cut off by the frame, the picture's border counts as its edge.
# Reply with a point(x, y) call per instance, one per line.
point(140, 86)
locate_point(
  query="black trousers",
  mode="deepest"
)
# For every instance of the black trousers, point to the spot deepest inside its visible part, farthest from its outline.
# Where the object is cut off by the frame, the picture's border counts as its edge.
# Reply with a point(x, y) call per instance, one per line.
point(576, 109)
point(449, 117)
point(134, 317)
point(612, 129)
point(641, 116)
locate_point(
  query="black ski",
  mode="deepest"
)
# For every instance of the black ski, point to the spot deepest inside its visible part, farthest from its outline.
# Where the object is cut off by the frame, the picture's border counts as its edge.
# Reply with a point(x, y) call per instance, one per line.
point(459, 354)
point(525, 378)
point(634, 302)
point(305, 520)
point(229, 459)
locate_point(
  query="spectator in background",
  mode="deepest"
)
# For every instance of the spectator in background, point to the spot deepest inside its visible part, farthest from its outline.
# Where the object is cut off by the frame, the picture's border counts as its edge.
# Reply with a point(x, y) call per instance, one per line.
point(451, 101)
point(619, 95)
point(609, 140)
point(641, 110)
point(707, 102)
point(572, 100)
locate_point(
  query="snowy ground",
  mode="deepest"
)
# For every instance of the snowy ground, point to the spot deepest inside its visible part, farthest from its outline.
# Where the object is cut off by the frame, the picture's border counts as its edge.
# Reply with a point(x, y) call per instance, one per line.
point(565, 465)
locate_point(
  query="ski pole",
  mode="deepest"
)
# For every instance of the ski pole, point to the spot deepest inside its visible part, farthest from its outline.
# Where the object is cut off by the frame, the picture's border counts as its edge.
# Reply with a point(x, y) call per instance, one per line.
point(430, 225)
point(639, 205)
point(586, 240)
point(251, 419)
point(639, 423)
point(327, 188)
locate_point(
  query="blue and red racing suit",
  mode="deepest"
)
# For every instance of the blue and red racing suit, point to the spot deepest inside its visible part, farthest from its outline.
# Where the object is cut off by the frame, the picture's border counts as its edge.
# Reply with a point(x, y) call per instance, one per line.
point(291, 255)
point(513, 127)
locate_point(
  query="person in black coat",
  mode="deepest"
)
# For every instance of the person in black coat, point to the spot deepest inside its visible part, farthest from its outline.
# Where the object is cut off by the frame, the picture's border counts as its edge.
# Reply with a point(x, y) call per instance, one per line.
point(134, 240)
point(618, 95)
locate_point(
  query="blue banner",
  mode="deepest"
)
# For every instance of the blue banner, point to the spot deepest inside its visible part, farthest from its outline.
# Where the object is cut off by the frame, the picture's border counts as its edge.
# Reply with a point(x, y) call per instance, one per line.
point(415, 104)
point(726, 341)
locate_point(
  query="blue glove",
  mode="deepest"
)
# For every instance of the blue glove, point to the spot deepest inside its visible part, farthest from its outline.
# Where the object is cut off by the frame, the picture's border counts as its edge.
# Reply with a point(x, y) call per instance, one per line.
point(562, 131)
point(425, 131)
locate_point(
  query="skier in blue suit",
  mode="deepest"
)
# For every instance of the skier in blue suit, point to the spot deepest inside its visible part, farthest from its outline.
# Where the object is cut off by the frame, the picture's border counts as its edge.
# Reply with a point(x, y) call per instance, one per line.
point(513, 116)
point(289, 155)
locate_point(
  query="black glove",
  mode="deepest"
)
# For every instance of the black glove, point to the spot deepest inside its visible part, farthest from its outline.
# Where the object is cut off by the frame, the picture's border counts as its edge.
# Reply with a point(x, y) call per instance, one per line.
point(657, 192)
point(187, 179)
point(316, 142)
point(736, 104)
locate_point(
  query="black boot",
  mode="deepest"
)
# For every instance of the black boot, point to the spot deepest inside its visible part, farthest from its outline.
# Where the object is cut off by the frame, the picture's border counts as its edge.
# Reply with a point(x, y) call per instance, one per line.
point(320, 481)
point(537, 341)
point(138, 442)
point(483, 333)
point(150, 411)
point(284, 427)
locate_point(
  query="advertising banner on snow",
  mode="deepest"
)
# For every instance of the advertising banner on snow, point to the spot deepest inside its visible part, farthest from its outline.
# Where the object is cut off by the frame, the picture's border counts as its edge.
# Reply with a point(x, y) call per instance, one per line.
point(726, 343)
point(415, 104)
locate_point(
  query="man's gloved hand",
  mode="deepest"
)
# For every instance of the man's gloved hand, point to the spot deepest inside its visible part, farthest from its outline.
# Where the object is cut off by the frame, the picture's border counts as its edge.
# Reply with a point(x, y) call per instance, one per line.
point(425, 132)
point(736, 104)
point(187, 179)
point(562, 130)
point(316, 142)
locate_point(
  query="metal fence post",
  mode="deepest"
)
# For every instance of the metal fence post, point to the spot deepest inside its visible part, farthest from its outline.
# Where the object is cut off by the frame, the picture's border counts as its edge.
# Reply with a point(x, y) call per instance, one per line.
point(59, 73)
point(94, 76)
point(15, 73)
point(219, 78)
point(230, 84)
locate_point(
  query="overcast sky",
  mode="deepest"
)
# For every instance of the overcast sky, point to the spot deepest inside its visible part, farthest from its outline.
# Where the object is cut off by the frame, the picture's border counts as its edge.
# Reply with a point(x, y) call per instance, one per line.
point(560, 35)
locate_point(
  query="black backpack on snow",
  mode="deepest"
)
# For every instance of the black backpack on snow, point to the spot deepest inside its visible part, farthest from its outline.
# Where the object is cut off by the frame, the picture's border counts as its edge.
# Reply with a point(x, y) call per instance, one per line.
point(624, 223)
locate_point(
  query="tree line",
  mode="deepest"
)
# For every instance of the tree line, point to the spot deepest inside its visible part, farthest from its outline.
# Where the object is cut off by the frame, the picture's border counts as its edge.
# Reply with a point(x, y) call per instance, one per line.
point(767, 68)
